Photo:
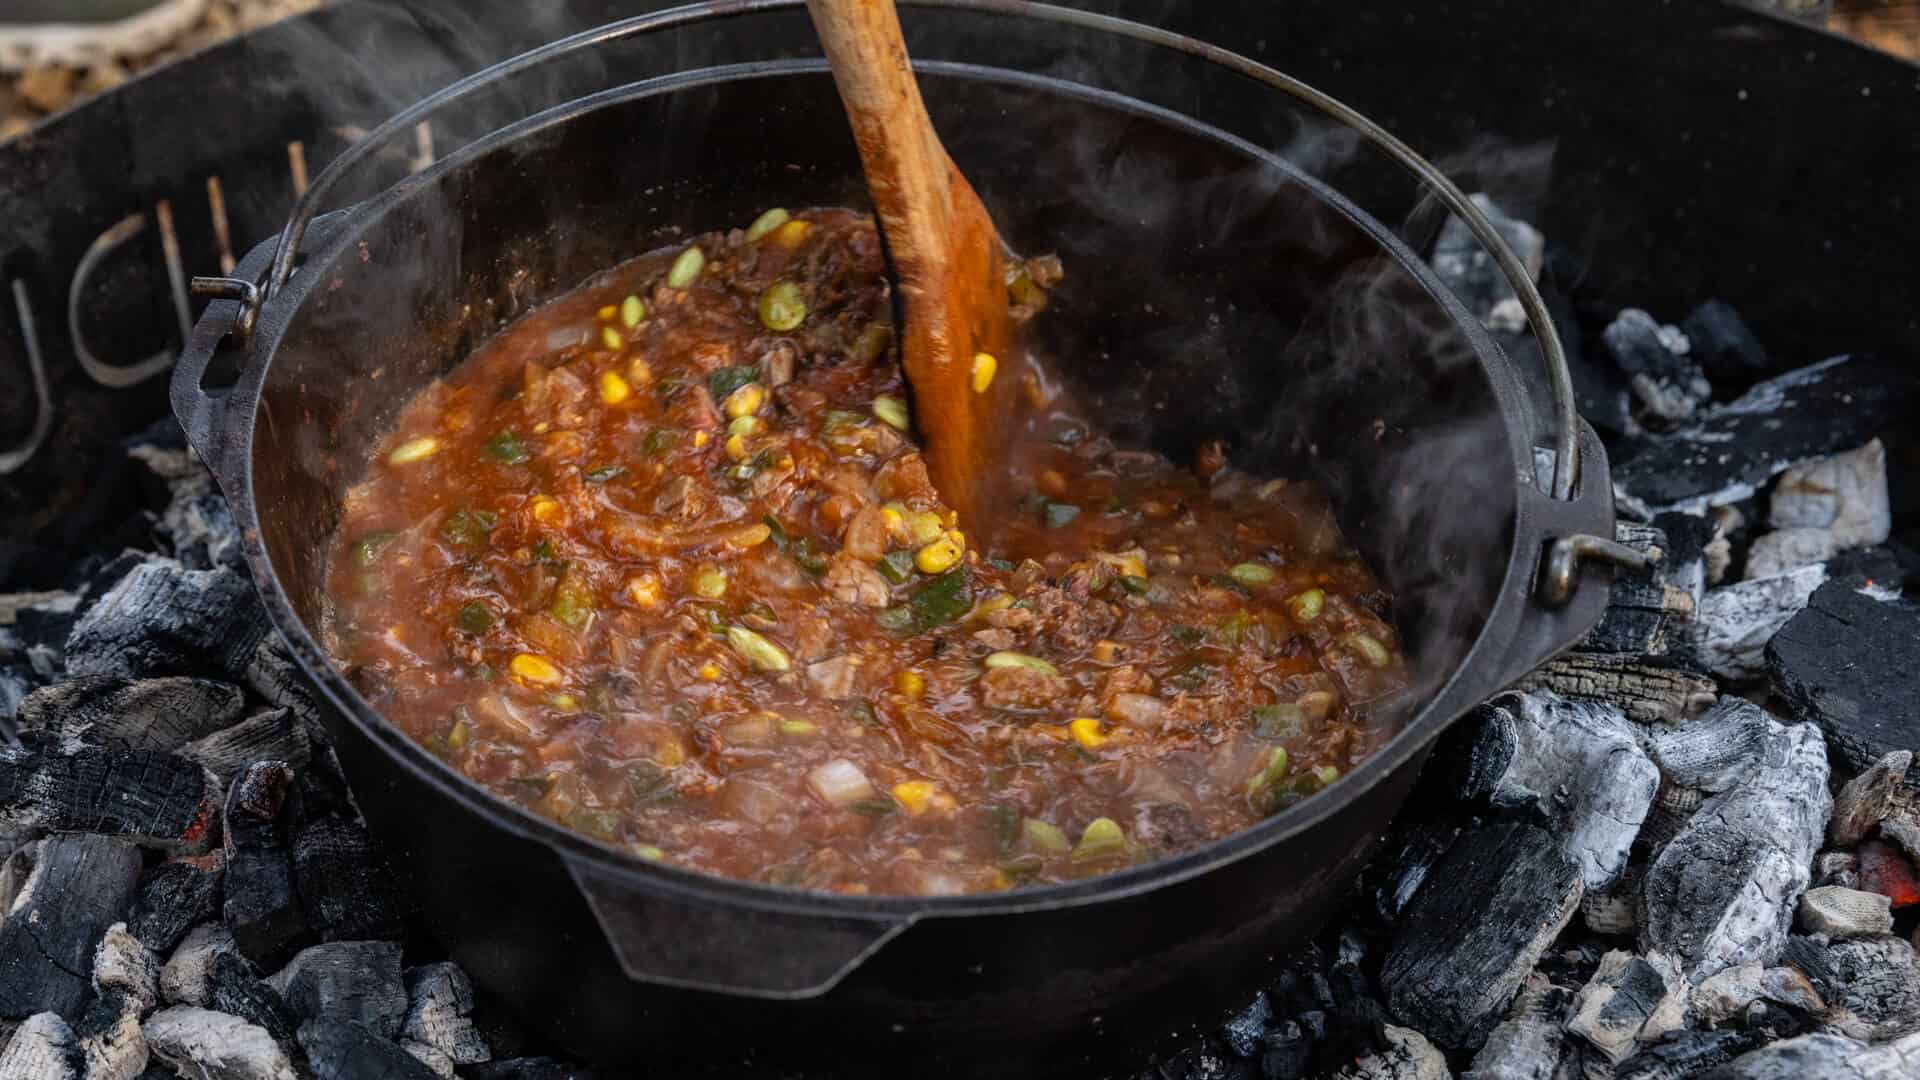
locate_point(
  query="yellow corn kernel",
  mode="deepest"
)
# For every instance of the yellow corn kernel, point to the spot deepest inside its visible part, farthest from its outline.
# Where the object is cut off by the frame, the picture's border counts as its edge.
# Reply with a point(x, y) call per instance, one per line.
point(744, 401)
point(1086, 731)
point(709, 582)
point(534, 669)
point(700, 438)
point(1051, 731)
point(563, 701)
point(737, 448)
point(984, 365)
point(923, 527)
point(414, 450)
point(607, 312)
point(613, 388)
point(896, 524)
point(937, 557)
point(669, 752)
point(791, 234)
point(542, 428)
point(610, 338)
point(710, 671)
point(915, 795)
point(751, 536)
point(959, 538)
point(644, 589)
point(638, 373)
point(910, 683)
point(547, 511)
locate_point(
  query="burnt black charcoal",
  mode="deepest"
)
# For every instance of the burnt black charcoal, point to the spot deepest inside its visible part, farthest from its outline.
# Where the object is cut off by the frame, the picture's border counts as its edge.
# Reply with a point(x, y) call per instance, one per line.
point(163, 619)
point(1652, 690)
point(275, 675)
point(80, 885)
point(122, 965)
point(343, 882)
point(345, 1050)
point(1721, 892)
point(150, 798)
point(1529, 1042)
point(197, 526)
point(42, 1048)
point(268, 735)
point(136, 714)
point(1711, 752)
point(203, 1043)
point(109, 1034)
point(1687, 1053)
point(1414, 846)
point(1852, 665)
point(1642, 607)
point(1728, 451)
point(1724, 346)
point(1242, 1033)
point(1667, 384)
point(233, 988)
point(1629, 1001)
point(261, 907)
point(1729, 636)
point(1863, 802)
point(1476, 928)
point(1822, 1056)
point(187, 976)
point(1884, 566)
point(173, 897)
point(439, 1001)
point(530, 1068)
point(1871, 985)
point(347, 980)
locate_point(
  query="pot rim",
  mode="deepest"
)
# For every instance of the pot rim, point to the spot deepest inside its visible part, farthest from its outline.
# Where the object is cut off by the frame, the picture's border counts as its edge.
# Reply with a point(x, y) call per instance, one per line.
point(1413, 738)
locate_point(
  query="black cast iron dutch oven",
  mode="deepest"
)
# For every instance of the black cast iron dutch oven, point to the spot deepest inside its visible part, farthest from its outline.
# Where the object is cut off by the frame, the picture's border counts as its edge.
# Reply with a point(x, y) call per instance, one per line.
point(1213, 289)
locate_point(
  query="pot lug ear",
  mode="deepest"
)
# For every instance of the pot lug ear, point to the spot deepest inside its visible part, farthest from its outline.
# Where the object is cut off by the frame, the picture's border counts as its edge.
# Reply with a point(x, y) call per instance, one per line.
point(664, 935)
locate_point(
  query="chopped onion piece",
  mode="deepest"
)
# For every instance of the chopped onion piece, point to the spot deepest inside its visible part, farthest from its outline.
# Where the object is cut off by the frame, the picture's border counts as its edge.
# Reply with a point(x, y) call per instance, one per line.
point(840, 782)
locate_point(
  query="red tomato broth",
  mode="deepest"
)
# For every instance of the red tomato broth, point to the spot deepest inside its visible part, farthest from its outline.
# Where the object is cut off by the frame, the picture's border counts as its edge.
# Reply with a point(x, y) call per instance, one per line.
point(761, 647)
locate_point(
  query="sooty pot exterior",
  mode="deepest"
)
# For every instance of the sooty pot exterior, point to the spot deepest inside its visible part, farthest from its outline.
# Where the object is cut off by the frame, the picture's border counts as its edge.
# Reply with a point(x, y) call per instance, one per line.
point(1212, 290)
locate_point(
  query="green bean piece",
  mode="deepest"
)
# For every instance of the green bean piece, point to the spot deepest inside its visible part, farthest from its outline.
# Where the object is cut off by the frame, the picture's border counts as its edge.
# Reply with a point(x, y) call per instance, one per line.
point(1101, 839)
point(776, 535)
point(1278, 721)
point(600, 474)
point(367, 549)
point(507, 449)
point(782, 307)
point(1058, 515)
point(893, 412)
point(767, 222)
point(1223, 581)
point(726, 380)
point(686, 266)
point(1187, 635)
point(468, 528)
point(1272, 773)
point(1252, 575)
point(632, 311)
point(896, 567)
point(1043, 836)
point(474, 618)
point(808, 558)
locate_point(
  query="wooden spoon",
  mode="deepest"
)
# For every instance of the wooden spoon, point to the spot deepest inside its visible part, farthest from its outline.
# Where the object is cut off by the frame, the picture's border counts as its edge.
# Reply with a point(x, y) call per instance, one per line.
point(946, 257)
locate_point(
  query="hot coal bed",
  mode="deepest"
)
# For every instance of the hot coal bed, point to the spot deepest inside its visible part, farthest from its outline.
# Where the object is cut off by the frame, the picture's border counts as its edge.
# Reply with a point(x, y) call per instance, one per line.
point(1688, 848)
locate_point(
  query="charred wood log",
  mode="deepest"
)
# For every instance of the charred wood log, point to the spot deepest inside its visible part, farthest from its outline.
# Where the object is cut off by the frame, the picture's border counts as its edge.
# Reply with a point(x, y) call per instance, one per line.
point(215, 1046)
point(1722, 892)
point(1724, 345)
point(122, 965)
point(233, 988)
point(346, 1050)
point(112, 1044)
point(151, 798)
point(1713, 752)
point(1731, 994)
point(260, 906)
point(268, 735)
point(80, 885)
point(1476, 928)
point(1852, 665)
point(273, 673)
point(1652, 691)
point(347, 981)
point(136, 714)
point(1724, 454)
point(342, 879)
point(1869, 798)
point(1685, 1054)
point(162, 619)
point(1871, 985)
point(1730, 635)
point(1528, 1044)
point(173, 897)
point(440, 1004)
point(1828, 1057)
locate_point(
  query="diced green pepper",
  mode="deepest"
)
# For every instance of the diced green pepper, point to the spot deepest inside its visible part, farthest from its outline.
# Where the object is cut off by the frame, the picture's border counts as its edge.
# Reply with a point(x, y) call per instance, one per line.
point(507, 449)
point(728, 379)
point(896, 566)
point(648, 783)
point(468, 527)
point(367, 549)
point(659, 441)
point(1278, 721)
point(941, 600)
point(474, 618)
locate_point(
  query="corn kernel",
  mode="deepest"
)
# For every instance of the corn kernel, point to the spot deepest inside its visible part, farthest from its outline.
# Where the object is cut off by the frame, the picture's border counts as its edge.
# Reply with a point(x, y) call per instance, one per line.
point(710, 583)
point(959, 538)
point(1086, 731)
point(700, 438)
point(547, 511)
point(751, 536)
point(937, 557)
point(613, 388)
point(710, 671)
point(607, 312)
point(669, 752)
point(534, 669)
point(910, 683)
point(744, 402)
point(896, 524)
point(923, 527)
point(644, 590)
point(915, 795)
point(414, 450)
point(984, 365)
point(737, 448)
point(792, 234)
point(638, 373)
point(563, 701)
point(611, 338)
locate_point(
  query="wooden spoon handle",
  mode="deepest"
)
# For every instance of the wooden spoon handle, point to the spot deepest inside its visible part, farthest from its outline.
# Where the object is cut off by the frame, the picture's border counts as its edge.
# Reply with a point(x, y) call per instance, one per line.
point(908, 171)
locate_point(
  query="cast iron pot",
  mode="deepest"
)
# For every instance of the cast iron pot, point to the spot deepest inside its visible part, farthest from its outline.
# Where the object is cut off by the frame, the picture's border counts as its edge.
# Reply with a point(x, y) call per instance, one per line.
point(1213, 289)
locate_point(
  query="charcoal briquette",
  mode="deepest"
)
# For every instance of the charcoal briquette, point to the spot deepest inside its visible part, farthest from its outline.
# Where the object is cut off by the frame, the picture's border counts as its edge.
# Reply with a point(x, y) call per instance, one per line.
point(1629, 1001)
point(1851, 664)
point(348, 1050)
point(343, 882)
point(161, 713)
point(439, 1006)
point(187, 976)
point(1529, 1041)
point(124, 966)
point(80, 885)
point(347, 981)
point(44, 1047)
point(112, 1045)
point(174, 896)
